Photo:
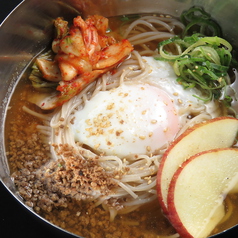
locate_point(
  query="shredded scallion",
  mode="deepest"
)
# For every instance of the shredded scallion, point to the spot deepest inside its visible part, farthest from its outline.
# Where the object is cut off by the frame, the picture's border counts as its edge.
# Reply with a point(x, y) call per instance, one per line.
point(201, 58)
point(196, 19)
point(203, 62)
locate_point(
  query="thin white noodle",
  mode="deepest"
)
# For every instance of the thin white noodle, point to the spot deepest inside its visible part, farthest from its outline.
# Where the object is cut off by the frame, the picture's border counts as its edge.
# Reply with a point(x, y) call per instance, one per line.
point(113, 213)
point(44, 117)
point(45, 130)
point(146, 37)
point(144, 186)
point(140, 21)
point(114, 159)
point(140, 201)
point(127, 189)
point(132, 178)
point(169, 27)
point(128, 209)
point(141, 173)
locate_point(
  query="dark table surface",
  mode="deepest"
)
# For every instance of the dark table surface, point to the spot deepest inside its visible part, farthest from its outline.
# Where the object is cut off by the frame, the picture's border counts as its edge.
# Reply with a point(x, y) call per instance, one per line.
point(15, 220)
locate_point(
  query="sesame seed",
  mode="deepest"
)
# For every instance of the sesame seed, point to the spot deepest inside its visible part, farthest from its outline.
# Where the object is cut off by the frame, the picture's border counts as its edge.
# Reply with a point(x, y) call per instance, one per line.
point(88, 122)
point(148, 148)
point(89, 129)
point(110, 106)
point(96, 146)
point(118, 133)
point(105, 118)
point(111, 131)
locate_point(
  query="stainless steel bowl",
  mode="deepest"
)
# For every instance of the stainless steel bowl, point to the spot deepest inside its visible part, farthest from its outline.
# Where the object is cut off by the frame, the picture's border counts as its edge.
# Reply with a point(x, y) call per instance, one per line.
point(28, 29)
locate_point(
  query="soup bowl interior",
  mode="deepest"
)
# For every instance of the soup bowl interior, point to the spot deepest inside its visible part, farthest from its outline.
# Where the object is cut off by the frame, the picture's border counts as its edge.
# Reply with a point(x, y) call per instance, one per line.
point(29, 29)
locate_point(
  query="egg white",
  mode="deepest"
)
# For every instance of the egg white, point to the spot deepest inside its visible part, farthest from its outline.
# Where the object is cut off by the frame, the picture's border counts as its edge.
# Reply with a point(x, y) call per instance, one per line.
point(135, 118)
point(162, 75)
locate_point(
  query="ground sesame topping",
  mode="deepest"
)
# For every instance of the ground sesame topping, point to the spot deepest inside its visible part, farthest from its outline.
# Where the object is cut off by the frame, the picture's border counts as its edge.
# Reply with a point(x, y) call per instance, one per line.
point(148, 148)
point(118, 132)
point(110, 106)
point(144, 112)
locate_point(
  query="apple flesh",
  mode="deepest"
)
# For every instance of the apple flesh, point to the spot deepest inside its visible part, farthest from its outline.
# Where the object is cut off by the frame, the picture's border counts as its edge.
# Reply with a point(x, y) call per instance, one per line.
point(215, 133)
point(198, 189)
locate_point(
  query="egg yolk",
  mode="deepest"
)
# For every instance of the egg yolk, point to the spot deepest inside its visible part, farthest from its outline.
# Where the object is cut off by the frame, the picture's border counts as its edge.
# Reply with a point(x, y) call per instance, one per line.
point(128, 120)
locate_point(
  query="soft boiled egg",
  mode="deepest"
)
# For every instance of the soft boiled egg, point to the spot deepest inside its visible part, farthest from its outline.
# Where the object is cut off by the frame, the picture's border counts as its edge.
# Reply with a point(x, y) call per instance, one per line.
point(134, 118)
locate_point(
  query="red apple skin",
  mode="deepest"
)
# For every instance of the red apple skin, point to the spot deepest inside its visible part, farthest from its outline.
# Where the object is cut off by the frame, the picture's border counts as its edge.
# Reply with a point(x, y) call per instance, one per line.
point(172, 213)
point(164, 157)
point(159, 174)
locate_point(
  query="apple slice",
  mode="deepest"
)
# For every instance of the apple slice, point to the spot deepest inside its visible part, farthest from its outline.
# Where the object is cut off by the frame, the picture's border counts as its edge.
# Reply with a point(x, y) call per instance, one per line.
point(198, 189)
point(215, 133)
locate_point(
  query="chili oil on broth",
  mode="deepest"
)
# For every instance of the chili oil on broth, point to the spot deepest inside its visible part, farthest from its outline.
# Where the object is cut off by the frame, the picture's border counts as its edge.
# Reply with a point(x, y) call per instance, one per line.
point(28, 151)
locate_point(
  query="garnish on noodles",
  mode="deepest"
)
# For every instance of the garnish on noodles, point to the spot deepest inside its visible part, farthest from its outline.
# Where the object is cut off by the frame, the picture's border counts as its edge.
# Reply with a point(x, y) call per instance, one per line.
point(81, 53)
point(201, 58)
point(201, 62)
